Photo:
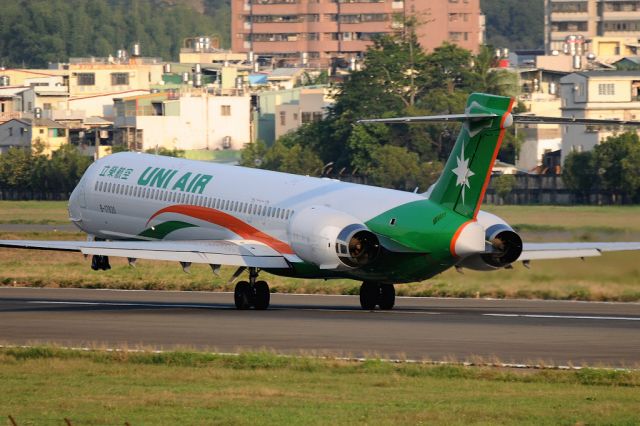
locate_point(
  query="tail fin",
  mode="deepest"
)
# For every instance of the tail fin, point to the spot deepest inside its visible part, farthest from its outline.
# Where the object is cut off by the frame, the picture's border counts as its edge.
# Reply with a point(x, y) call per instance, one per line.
point(463, 182)
point(465, 177)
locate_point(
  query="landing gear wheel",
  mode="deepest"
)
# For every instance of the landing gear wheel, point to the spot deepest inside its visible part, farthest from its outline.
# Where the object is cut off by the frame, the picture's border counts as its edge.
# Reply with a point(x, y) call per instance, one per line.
point(369, 293)
point(387, 297)
point(100, 262)
point(261, 295)
point(242, 295)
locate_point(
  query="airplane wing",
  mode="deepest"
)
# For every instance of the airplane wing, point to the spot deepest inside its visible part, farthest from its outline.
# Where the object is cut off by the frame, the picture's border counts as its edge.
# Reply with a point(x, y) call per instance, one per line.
point(214, 252)
point(540, 251)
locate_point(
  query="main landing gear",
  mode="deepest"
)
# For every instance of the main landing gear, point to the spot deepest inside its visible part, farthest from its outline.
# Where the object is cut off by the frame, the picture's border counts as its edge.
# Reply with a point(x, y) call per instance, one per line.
point(100, 263)
point(252, 293)
point(374, 294)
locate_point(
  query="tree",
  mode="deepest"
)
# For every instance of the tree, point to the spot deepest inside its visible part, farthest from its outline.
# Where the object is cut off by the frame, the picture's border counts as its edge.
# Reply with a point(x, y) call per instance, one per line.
point(516, 24)
point(36, 32)
point(617, 162)
point(175, 152)
point(579, 173)
point(393, 167)
point(503, 185)
point(16, 166)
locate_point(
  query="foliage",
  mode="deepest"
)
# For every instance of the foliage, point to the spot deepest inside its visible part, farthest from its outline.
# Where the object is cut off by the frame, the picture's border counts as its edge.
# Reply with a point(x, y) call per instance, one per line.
point(175, 152)
point(613, 166)
point(397, 79)
point(35, 32)
point(284, 156)
point(579, 174)
point(516, 24)
point(504, 184)
point(24, 171)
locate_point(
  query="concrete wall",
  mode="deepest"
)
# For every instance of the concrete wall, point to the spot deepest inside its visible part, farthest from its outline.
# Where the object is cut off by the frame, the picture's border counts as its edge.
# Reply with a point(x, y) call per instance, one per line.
point(200, 125)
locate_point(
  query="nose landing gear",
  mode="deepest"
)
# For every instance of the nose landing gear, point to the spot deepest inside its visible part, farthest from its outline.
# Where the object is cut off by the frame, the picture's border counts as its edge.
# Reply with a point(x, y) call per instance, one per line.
point(374, 294)
point(252, 293)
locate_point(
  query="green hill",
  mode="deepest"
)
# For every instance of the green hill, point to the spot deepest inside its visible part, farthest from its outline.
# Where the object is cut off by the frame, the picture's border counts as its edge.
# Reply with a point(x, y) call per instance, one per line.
point(516, 24)
point(35, 32)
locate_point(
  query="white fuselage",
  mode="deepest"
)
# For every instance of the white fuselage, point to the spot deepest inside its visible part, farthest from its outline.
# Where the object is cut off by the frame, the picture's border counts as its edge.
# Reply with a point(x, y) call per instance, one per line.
point(120, 193)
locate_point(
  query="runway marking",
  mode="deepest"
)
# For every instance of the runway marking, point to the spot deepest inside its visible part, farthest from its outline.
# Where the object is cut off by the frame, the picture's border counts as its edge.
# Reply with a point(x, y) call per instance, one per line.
point(151, 305)
point(564, 317)
point(173, 305)
point(394, 312)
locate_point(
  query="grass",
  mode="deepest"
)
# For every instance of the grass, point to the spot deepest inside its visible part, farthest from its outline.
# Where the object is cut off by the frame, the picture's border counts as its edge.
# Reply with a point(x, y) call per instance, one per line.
point(44, 385)
point(612, 277)
point(34, 212)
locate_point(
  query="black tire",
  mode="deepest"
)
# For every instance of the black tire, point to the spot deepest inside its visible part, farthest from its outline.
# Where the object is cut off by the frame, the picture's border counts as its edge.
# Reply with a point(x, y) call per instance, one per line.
point(261, 295)
point(387, 296)
point(105, 263)
point(242, 295)
point(369, 295)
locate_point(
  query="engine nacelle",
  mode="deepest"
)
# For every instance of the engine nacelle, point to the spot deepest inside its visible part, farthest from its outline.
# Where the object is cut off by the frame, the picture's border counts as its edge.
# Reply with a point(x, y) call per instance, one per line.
point(505, 242)
point(332, 239)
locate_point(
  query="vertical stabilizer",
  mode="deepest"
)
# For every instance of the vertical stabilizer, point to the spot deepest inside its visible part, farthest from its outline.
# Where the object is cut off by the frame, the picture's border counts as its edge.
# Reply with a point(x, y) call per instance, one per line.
point(463, 183)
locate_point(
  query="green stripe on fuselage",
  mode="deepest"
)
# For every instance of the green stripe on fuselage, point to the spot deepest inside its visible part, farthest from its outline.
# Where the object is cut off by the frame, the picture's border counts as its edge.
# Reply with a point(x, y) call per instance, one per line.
point(422, 230)
point(163, 229)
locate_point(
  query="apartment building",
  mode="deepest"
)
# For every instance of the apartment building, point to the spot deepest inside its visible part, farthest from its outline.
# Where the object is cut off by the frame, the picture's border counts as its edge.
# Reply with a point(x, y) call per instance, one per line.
point(568, 23)
point(597, 94)
point(313, 32)
point(281, 111)
point(183, 120)
point(27, 132)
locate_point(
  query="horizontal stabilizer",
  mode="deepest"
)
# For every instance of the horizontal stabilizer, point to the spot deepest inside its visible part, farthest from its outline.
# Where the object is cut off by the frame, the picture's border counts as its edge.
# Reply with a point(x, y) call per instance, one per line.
point(532, 119)
point(517, 119)
point(430, 118)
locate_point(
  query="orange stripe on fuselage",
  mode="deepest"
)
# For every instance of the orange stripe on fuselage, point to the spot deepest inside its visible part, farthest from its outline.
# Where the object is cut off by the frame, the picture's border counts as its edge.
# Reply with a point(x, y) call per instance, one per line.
point(454, 240)
point(228, 221)
point(493, 159)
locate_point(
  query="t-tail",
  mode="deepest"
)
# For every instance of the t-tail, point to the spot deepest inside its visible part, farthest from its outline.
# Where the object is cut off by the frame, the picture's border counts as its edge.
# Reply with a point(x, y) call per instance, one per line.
point(465, 178)
point(466, 175)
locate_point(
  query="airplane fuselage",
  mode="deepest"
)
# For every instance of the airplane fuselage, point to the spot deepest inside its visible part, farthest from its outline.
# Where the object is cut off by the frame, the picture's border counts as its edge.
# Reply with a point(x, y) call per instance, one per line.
point(134, 196)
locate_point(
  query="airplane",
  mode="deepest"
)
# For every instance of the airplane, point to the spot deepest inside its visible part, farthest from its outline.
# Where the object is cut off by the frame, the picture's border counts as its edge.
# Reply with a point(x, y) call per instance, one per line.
point(142, 206)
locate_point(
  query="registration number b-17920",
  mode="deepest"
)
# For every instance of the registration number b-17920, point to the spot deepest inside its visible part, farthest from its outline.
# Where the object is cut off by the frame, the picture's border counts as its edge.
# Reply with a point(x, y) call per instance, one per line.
point(107, 209)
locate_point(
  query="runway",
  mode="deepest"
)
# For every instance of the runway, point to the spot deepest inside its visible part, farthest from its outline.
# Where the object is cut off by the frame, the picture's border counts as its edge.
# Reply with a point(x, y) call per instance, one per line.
point(512, 331)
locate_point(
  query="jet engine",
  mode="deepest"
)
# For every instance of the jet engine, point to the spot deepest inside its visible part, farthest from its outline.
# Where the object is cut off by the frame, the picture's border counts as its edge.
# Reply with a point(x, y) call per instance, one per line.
point(504, 245)
point(332, 239)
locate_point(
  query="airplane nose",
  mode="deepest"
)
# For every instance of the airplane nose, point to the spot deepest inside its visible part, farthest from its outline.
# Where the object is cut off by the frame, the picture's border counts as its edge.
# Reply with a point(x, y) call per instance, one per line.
point(75, 212)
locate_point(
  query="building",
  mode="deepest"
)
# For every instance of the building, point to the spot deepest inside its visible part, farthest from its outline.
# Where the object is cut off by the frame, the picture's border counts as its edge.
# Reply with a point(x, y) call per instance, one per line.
point(540, 93)
point(28, 133)
point(187, 120)
point(568, 24)
point(310, 106)
point(315, 32)
point(597, 94)
point(206, 50)
point(281, 111)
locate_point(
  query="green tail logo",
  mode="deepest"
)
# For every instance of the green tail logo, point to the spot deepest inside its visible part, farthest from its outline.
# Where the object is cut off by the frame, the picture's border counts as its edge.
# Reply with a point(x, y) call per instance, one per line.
point(463, 183)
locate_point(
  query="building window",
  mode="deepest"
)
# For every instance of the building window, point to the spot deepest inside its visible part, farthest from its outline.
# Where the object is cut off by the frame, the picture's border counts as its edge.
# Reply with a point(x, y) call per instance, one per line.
point(57, 133)
point(10, 131)
point(120, 79)
point(283, 118)
point(86, 79)
point(606, 89)
point(225, 110)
